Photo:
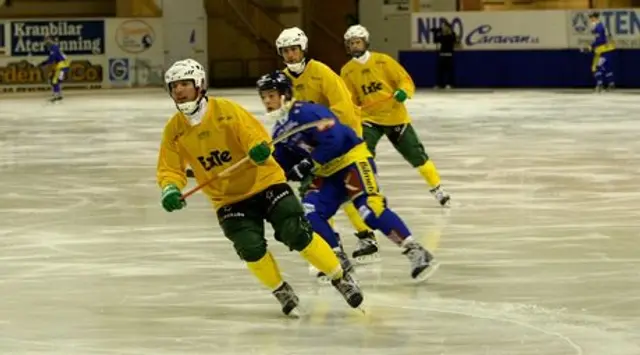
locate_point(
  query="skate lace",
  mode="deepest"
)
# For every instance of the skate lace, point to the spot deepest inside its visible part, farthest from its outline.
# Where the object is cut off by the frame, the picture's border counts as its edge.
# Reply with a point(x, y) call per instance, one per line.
point(364, 243)
point(416, 256)
point(347, 286)
point(284, 296)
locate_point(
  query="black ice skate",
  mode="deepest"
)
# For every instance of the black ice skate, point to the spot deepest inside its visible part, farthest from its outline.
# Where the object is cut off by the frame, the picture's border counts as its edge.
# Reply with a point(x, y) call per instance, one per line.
point(55, 98)
point(349, 289)
point(288, 299)
point(345, 263)
point(190, 174)
point(366, 248)
point(441, 195)
point(422, 263)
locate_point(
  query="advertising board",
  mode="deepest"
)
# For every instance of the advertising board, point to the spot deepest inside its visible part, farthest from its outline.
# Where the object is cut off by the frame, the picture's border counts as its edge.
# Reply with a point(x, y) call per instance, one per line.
point(509, 30)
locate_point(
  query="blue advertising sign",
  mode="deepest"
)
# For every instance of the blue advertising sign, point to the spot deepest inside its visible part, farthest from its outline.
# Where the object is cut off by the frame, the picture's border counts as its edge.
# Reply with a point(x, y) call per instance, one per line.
point(75, 37)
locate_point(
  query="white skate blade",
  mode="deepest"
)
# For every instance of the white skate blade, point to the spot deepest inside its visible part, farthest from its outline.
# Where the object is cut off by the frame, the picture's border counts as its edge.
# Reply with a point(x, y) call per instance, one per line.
point(296, 313)
point(428, 272)
point(367, 259)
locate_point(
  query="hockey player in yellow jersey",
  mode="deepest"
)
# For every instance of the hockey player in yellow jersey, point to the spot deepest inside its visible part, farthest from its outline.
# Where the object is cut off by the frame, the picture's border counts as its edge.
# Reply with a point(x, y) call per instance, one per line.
point(380, 84)
point(315, 82)
point(210, 134)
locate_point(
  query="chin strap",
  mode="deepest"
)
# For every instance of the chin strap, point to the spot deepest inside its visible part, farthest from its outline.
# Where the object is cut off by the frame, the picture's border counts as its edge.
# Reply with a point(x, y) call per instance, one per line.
point(198, 114)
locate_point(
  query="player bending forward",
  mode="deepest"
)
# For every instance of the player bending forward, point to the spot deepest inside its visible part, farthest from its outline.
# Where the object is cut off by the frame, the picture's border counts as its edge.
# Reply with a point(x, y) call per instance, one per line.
point(210, 134)
point(60, 68)
point(342, 166)
point(315, 82)
point(371, 77)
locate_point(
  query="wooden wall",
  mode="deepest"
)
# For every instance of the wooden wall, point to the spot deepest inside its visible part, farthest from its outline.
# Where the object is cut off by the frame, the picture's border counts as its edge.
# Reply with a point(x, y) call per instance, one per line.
point(58, 8)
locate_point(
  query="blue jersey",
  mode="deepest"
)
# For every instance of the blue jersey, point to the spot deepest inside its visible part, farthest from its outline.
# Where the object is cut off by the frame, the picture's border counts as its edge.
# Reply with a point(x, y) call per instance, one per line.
point(331, 148)
point(55, 55)
point(601, 43)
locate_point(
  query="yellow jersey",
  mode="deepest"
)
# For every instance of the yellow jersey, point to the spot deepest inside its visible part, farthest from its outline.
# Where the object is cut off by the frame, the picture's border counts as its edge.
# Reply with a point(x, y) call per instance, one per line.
point(320, 85)
point(373, 83)
point(225, 135)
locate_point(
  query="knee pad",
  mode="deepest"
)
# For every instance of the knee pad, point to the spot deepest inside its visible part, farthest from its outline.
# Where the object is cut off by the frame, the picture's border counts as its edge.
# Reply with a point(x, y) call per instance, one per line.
point(296, 232)
point(251, 251)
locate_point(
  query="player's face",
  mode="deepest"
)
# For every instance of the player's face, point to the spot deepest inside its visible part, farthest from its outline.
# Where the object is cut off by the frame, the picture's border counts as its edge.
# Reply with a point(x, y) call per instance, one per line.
point(357, 45)
point(183, 91)
point(271, 100)
point(292, 55)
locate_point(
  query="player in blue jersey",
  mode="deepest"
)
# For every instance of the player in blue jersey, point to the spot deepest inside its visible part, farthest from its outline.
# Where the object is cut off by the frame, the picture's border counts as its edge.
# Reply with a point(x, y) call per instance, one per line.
point(343, 170)
point(60, 65)
point(602, 48)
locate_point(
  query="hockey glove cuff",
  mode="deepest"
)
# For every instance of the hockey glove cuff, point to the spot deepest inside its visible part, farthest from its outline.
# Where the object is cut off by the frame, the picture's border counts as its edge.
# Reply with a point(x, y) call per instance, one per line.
point(300, 170)
point(171, 198)
point(260, 153)
point(400, 95)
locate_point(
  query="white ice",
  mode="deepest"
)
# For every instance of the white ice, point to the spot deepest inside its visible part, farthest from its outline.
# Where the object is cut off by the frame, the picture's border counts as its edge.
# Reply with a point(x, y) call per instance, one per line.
point(540, 251)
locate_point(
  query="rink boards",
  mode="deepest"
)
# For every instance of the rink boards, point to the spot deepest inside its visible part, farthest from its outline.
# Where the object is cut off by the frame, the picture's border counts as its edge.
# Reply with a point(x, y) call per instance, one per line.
point(524, 48)
point(103, 53)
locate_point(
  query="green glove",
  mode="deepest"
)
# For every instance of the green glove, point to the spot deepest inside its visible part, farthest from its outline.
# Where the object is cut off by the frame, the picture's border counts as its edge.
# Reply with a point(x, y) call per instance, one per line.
point(400, 95)
point(260, 153)
point(171, 198)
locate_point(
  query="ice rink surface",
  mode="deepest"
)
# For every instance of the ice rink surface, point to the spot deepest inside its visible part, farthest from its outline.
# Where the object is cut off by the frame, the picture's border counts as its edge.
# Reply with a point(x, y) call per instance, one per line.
point(540, 250)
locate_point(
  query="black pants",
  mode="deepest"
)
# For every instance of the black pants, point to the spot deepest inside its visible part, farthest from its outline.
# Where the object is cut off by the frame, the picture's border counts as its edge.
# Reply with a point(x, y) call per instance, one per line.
point(445, 72)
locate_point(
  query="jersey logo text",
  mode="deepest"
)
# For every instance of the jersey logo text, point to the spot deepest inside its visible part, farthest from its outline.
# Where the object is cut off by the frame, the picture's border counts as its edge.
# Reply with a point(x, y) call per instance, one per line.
point(373, 87)
point(215, 158)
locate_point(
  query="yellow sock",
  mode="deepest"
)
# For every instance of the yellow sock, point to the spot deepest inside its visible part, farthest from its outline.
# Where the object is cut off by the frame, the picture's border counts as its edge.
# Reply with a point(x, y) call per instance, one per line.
point(319, 254)
point(354, 217)
point(430, 173)
point(267, 271)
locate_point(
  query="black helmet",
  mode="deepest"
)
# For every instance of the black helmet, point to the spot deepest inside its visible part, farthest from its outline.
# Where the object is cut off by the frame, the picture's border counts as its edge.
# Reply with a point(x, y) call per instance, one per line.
point(276, 81)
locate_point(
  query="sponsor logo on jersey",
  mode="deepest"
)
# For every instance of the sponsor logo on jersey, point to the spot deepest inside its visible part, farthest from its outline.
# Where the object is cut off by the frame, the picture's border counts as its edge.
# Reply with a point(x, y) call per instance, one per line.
point(373, 87)
point(215, 158)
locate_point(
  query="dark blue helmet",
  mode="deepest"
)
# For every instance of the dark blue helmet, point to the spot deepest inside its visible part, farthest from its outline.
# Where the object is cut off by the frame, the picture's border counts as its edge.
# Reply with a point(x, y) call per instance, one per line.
point(276, 81)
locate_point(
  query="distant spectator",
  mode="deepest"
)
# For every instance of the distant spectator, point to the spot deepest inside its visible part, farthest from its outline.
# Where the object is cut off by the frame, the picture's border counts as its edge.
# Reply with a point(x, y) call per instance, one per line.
point(447, 42)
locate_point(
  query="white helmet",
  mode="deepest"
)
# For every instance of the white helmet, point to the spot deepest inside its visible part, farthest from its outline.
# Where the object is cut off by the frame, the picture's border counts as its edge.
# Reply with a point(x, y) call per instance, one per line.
point(293, 37)
point(357, 31)
point(187, 69)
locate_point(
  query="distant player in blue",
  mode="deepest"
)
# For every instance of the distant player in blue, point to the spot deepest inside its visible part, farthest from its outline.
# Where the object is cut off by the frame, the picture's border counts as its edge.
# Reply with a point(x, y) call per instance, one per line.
point(343, 169)
point(60, 67)
point(602, 48)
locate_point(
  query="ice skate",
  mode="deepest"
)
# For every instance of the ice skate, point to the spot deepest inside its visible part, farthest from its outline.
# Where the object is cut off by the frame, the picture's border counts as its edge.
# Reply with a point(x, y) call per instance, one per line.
point(190, 174)
point(441, 196)
point(349, 289)
point(366, 251)
point(422, 263)
point(55, 98)
point(288, 299)
point(599, 88)
point(345, 263)
point(611, 87)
